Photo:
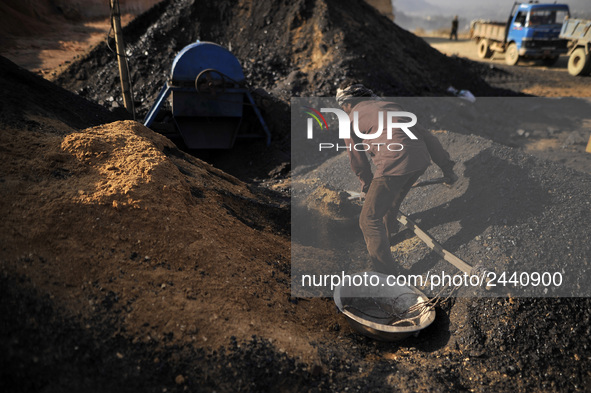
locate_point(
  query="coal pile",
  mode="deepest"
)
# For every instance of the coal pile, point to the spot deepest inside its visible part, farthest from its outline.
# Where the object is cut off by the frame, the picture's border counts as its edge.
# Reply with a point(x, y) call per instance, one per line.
point(508, 212)
point(299, 48)
point(286, 50)
point(496, 214)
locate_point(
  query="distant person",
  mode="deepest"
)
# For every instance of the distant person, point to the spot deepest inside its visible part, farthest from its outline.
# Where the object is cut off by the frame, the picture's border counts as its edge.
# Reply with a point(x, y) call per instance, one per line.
point(396, 171)
point(454, 28)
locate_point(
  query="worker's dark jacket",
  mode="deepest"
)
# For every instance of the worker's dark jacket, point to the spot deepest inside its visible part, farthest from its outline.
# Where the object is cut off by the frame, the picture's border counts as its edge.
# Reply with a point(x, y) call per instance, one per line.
point(413, 157)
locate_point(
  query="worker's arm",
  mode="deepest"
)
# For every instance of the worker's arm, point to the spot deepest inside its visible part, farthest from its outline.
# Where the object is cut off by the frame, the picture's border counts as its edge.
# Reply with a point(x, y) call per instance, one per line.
point(360, 165)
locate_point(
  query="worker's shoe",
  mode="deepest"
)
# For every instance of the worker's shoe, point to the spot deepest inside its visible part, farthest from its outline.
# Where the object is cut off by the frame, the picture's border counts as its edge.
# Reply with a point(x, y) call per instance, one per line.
point(449, 176)
point(403, 234)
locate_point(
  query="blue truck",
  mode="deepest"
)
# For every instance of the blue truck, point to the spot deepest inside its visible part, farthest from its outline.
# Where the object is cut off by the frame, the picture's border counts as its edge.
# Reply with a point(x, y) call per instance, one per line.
point(531, 32)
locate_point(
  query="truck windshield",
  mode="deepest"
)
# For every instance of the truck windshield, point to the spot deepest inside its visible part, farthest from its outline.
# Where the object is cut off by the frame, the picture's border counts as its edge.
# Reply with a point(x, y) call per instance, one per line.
point(538, 17)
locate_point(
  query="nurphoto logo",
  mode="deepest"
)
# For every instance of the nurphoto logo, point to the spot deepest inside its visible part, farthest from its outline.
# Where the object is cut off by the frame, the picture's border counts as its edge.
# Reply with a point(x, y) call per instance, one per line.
point(391, 119)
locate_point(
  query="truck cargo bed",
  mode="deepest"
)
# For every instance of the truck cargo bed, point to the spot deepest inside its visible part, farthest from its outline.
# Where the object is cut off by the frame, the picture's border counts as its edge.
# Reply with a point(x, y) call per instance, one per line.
point(576, 29)
point(494, 31)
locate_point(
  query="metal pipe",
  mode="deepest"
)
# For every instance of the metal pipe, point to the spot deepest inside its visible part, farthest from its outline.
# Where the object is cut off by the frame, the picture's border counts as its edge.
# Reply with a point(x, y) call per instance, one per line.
point(121, 59)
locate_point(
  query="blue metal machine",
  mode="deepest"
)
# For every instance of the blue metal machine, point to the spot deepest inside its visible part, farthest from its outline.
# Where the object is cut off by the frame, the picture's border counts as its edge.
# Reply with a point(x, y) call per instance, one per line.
point(208, 93)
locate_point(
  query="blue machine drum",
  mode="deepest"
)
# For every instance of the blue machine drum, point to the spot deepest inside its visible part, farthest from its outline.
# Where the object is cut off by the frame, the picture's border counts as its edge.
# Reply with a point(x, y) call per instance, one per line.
point(200, 56)
point(208, 95)
point(207, 121)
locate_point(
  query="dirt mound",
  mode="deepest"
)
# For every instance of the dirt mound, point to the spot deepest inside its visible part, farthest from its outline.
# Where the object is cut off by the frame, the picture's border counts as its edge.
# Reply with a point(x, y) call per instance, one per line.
point(34, 17)
point(126, 262)
point(136, 249)
point(119, 228)
point(25, 96)
point(125, 202)
point(302, 48)
point(18, 18)
point(508, 212)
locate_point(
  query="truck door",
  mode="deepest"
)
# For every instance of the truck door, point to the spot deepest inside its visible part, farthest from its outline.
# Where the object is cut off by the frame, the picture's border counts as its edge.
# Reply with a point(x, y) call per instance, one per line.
point(516, 31)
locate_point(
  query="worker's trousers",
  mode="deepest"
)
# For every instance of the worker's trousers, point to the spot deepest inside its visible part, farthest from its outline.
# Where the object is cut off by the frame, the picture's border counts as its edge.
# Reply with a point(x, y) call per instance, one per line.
point(378, 217)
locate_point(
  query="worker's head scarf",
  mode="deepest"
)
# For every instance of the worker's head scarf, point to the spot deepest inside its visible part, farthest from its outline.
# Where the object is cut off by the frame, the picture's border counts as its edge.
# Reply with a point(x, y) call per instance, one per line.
point(353, 91)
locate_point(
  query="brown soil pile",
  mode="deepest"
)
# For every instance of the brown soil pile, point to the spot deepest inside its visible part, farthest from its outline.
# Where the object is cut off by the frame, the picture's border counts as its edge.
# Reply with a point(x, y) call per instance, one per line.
point(18, 18)
point(46, 35)
point(115, 218)
point(35, 17)
point(113, 229)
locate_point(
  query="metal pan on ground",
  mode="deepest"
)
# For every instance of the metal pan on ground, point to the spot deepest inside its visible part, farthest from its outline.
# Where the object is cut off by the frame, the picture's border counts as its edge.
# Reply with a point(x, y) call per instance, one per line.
point(384, 312)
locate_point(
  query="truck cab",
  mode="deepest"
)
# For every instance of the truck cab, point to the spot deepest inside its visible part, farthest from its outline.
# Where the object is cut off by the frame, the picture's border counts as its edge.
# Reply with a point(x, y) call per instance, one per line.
point(533, 30)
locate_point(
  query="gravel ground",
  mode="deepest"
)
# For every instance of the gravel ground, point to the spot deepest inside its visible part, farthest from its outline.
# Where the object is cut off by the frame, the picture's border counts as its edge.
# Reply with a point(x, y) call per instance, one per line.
point(105, 328)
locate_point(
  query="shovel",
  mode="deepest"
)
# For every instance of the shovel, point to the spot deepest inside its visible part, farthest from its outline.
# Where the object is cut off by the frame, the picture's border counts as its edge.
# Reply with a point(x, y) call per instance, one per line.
point(422, 183)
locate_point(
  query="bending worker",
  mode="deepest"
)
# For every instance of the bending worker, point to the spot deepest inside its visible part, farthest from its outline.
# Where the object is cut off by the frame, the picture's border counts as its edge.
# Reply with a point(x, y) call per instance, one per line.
point(396, 171)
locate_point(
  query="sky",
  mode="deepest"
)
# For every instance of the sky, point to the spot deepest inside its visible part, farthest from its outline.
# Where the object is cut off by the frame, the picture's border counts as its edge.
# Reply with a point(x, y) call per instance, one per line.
point(434, 14)
point(476, 8)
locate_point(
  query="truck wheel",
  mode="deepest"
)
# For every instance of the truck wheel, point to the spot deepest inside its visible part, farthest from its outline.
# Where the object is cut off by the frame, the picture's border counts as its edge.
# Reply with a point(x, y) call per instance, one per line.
point(579, 62)
point(550, 61)
point(484, 51)
point(512, 54)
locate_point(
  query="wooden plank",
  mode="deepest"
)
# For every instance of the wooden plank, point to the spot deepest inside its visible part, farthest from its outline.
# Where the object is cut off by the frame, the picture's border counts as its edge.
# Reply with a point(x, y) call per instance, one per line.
point(434, 244)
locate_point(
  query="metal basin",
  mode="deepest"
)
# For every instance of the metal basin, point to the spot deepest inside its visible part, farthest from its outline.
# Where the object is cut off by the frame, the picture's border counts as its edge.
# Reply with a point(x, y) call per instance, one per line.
point(381, 311)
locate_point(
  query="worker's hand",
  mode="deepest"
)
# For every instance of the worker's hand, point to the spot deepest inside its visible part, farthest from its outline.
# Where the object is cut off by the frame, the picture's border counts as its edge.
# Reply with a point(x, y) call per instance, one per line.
point(361, 196)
